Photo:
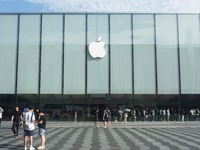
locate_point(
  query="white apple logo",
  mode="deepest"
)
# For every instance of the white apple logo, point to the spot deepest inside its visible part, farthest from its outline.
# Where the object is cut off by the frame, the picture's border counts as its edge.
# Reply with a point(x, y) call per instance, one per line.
point(96, 49)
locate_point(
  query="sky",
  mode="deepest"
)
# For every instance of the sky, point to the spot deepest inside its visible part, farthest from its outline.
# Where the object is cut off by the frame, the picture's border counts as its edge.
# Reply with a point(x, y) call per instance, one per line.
point(135, 6)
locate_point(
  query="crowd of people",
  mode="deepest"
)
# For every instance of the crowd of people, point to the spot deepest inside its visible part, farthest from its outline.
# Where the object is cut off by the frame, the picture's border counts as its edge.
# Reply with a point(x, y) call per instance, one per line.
point(124, 114)
point(163, 114)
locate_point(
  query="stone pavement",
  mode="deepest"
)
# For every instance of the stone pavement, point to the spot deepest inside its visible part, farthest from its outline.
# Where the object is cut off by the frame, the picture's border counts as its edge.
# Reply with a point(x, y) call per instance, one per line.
point(130, 136)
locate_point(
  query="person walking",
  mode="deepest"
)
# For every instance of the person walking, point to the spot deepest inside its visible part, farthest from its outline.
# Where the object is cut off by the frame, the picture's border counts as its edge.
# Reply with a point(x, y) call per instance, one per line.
point(1, 115)
point(42, 128)
point(125, 116)
point(109, 117)
point(105, 118)
point(16, 119)
point(96, 118)
point(75, 116)
point(29, 119)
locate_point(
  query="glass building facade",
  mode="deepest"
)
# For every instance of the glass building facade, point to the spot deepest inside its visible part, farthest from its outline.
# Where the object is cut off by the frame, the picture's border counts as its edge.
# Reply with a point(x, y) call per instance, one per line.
point(152, 62)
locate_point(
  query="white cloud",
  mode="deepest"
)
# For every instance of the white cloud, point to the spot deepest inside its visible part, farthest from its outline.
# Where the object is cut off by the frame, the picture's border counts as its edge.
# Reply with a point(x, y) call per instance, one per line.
point(150, 6)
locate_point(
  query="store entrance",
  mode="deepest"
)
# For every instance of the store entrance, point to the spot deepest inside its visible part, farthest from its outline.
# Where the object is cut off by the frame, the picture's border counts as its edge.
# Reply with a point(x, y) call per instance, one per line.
point(97, 102)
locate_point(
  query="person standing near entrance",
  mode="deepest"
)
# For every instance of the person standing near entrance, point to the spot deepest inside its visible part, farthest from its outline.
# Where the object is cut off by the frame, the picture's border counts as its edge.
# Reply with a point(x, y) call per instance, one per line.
point(1, 114)
point(105, 118)
point(125, 116)
point(16, 119)
point(42, 128)
point(109, 117)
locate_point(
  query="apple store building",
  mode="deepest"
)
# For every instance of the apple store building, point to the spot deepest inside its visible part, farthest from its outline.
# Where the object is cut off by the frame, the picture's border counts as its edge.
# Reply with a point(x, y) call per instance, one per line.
point(146, 64)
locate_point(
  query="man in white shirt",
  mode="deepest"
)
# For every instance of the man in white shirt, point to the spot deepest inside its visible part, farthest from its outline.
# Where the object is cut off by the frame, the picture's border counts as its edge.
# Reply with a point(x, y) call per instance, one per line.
point(1, 112)
point(29, 119)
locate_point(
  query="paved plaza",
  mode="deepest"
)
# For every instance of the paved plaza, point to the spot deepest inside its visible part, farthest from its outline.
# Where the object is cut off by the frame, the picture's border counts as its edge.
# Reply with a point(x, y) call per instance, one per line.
point(130, 136)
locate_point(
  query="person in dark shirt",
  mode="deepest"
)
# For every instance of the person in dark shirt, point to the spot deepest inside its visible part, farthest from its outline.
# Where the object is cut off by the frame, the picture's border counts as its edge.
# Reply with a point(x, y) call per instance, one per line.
point(42, 128)
point(16, 119)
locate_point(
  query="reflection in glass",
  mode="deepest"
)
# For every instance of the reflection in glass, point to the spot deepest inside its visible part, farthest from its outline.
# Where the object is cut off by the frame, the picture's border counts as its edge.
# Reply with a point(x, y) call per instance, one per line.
point(167, 54)
point(51, 65)
point(74, 71)
point(28, 54)
point(189, 53)
point(121, 54)
point(8, 44)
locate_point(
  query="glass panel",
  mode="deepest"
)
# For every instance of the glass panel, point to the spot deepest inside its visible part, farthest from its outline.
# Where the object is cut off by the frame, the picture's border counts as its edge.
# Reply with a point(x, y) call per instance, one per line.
point(25, 100)
point(75, 108)
point(74, 72)
point(121, 66)
point(189, 103)
point(168, 107)
point(144, 55)
point(189, 53)
point(51, 67)
point(98, 67)
point(52, 105)
point(118, 104)
point(167, 54)
point(144, 107)
point(28, 54)
point(8, 44)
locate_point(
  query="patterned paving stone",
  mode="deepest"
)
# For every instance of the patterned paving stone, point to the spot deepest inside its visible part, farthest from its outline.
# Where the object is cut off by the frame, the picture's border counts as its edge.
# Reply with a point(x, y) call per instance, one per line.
point(132, 136)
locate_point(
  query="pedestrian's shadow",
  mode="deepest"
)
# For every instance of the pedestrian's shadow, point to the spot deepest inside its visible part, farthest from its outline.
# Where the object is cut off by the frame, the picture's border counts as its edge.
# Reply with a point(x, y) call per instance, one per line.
point(8, 146)
point(8, 136)
point(5, 127)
